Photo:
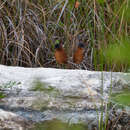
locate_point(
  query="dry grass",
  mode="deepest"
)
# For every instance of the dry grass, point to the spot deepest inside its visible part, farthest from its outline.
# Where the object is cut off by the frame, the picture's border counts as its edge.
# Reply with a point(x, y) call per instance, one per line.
point(29, 30)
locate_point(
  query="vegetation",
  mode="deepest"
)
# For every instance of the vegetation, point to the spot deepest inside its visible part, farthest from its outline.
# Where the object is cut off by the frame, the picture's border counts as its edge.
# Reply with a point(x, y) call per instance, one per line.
point(41, 86)
point(2, 95)
point(30, 28)
point(122, 98)
point(9, 84)
point(58, 125)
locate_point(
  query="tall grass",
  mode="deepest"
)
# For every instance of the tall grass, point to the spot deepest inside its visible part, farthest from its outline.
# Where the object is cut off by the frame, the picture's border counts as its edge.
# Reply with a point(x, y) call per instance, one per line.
point(30, 28)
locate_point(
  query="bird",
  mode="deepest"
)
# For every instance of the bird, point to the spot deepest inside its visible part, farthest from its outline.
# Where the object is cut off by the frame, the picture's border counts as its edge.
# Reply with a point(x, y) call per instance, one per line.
point(60, 54)
point(79, 54)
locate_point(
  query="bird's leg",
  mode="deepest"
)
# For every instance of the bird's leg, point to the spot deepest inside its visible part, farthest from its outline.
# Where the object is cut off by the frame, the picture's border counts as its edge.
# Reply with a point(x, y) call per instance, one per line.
point(63, 66)
point(57, 65)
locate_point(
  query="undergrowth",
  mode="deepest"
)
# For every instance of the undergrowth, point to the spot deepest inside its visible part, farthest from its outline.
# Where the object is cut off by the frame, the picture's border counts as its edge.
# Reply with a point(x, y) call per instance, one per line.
point(29, 30)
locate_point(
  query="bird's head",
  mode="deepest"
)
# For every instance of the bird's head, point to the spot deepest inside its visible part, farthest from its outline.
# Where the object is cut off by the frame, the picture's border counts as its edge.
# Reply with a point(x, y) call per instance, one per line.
point(81, 45)
point(58, 46)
